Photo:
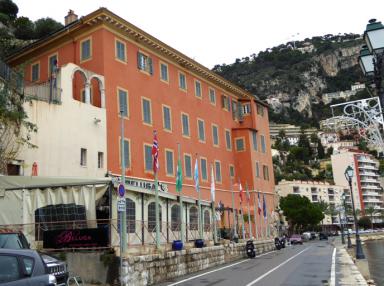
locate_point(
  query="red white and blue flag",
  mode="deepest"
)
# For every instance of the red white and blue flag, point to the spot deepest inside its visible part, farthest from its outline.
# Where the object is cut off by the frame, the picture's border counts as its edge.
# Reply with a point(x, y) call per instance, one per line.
point(258, 204)
point(264, 207)
point(241, 192)
point(155, 152)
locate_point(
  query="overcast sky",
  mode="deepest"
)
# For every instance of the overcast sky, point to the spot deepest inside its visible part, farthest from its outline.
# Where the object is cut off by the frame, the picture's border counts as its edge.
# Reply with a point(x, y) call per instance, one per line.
point(219, 31)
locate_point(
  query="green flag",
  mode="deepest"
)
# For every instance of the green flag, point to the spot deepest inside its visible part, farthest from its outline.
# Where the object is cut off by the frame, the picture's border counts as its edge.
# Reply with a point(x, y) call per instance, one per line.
point(179, 176)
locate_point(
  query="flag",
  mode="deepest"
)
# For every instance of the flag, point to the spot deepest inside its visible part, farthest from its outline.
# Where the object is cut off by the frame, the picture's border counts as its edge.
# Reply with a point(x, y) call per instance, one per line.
point(196, 176)
point(155, 152)
point(179, 176)
point(246, 190)
point(241, 192)
point(259, 204)
point(212, 185)
point(264, 207)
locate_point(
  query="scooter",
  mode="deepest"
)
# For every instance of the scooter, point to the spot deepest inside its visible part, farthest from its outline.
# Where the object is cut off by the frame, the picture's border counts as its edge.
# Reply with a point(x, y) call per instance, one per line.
point(279, 243)
point(250, 249)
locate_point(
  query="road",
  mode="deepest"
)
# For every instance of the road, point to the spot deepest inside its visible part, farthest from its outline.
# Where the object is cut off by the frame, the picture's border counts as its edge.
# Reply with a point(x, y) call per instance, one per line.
point(299, 265)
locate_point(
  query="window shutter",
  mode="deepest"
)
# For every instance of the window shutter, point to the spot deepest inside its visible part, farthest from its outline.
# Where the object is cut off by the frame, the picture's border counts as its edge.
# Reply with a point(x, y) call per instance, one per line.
point(138, 60)
point(150, 65)
point(229, 103)
point(126, 153)
point(222, 101)
point(239, 111)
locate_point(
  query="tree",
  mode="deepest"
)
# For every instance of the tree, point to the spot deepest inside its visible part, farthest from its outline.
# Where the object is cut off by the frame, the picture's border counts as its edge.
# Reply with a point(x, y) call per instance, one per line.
point(300, 212)
point(24, 28)
point(46, 26)
point(370, 212)
point(320, 150)
point(7, 7)
point(364, 222)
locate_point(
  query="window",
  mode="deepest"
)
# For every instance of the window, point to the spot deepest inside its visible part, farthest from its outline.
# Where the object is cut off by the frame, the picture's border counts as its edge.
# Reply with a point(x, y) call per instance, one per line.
point(314, 198)
point(131, 215)
point(85, 50)
point(257, 170)
point(201, 130)
point(148, 160)
point(207, 220)
point(228, 139)
point(127, 153)
point(232, 171)
point(164, 72)
point(175, 218)
point(263, 147)
point(28, 265)
point(144, 63)
point(83, 157)
point(254, 140)
point(197, 88)
point(240, 144)
point(260, 109)
point(215, 135)
point(167, 123)
point(193, 218)
point(169, 162)
point(120, 51)
point(203, 165)
point(9, 269)
point(182, 81)
point(35, 74)
point(185, 124)
point(212, 96)
point(218, 171)
point(265, 173)
point(52, 64)
point(225, 102)
point(152, 217)
point(234, 110)
point(123, 102)
point(188, 166)
point(100, 160)
point(146, 109)
point(246, 108)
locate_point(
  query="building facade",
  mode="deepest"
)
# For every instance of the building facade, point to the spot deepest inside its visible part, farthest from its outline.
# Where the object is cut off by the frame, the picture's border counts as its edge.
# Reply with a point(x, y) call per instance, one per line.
point(316, 192)
point(366, 188)
point(150, 86)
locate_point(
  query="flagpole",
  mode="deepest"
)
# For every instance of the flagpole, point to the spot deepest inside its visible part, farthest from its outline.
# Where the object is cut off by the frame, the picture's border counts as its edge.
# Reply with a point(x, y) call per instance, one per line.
point(123, 216)
point(213, 206)
point(182, 226)
point(199, 201)
point(254, 213)
point(155, 150)
point(249, 213)
point(242, 220)
point(233, 211)
point(260, 220)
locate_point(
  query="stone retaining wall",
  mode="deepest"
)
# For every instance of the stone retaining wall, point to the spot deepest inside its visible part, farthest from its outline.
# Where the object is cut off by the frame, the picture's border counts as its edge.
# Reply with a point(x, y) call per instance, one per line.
point(155, 268)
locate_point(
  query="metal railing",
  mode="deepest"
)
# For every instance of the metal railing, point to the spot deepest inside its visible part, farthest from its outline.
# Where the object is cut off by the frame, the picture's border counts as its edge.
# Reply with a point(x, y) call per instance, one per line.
point(12, 78)
point(46, 91)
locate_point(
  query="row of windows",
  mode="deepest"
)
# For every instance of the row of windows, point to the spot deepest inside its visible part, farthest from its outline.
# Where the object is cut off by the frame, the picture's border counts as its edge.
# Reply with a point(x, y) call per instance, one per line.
point(35, 67)
point(175, 217)
point(83, 158)
point(187, 158)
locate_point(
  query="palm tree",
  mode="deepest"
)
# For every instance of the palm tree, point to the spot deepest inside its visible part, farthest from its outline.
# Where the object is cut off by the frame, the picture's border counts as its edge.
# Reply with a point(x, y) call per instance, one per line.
point(370, 212)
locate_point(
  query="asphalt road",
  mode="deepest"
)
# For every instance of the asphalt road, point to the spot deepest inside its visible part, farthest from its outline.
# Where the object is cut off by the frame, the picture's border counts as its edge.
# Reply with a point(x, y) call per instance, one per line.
point(301, 265)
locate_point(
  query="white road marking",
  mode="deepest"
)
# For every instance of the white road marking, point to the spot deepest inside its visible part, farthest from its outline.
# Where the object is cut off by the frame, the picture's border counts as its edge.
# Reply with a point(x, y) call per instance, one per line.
point(277, 267)
point(215, 270)
point(333, 269)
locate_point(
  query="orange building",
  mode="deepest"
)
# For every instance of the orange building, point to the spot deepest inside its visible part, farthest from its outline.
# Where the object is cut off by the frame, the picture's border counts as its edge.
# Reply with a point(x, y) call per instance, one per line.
point(159, 88)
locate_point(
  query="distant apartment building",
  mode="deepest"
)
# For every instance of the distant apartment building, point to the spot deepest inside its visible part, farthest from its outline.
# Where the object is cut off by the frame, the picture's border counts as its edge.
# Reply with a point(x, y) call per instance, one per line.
point(292, 132)
point(316, 192)
point(345, 94)
point(367, 191)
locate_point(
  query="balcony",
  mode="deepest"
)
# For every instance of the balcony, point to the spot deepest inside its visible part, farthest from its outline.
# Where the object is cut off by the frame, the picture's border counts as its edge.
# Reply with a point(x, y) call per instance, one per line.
point(372, 200)
point(46, 91)
point(364, 159)
point(373, 194)
point(367, 167)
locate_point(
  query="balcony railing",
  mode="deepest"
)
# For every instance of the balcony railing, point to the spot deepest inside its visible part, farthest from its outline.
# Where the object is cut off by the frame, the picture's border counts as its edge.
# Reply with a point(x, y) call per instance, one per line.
point(46, 91)
point(12, 78)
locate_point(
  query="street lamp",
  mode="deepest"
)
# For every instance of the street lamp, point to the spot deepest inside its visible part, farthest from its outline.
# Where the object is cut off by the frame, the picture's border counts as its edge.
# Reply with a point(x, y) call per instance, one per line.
point(359, 250)
point(371, 55)
point(349, 244)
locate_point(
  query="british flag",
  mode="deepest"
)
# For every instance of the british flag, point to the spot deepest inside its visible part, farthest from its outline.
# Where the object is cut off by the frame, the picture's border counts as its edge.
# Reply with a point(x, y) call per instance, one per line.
point(155, 152)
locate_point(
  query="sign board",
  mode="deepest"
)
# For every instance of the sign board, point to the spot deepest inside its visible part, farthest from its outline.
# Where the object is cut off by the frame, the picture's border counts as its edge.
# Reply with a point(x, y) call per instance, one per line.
point(121, 206)
point(75, 238)
point(121, 190)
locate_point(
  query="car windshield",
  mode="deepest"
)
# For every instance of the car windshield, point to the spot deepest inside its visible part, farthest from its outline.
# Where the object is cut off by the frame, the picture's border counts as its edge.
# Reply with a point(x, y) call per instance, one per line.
point(11, 241)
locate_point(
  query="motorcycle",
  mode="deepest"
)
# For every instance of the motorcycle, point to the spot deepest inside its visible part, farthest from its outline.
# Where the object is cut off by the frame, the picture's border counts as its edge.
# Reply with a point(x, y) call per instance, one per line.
point(250, 249)
point(279, 243)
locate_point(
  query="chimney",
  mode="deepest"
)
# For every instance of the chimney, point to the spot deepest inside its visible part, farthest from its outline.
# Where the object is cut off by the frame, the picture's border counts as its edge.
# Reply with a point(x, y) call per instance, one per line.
point(70, 18)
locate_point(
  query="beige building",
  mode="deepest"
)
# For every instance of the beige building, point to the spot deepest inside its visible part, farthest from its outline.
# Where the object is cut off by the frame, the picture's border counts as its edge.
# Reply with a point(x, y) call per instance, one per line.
point(315, 191)
point(367, 191)
point(71, 135)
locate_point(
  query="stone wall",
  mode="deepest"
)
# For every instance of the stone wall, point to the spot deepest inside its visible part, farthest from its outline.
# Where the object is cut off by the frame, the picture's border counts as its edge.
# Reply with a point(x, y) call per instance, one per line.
point(155, 268)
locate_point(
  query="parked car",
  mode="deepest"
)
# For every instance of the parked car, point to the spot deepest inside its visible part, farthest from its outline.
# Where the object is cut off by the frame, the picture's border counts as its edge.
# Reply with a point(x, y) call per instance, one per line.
point(14, 239)
point(323, 235)
point(295, 239)
point(20, 267)
point(313, 235)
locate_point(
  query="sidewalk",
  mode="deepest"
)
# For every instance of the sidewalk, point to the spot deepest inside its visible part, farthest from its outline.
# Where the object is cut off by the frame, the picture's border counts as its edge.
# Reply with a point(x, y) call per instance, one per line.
point(347, 272)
